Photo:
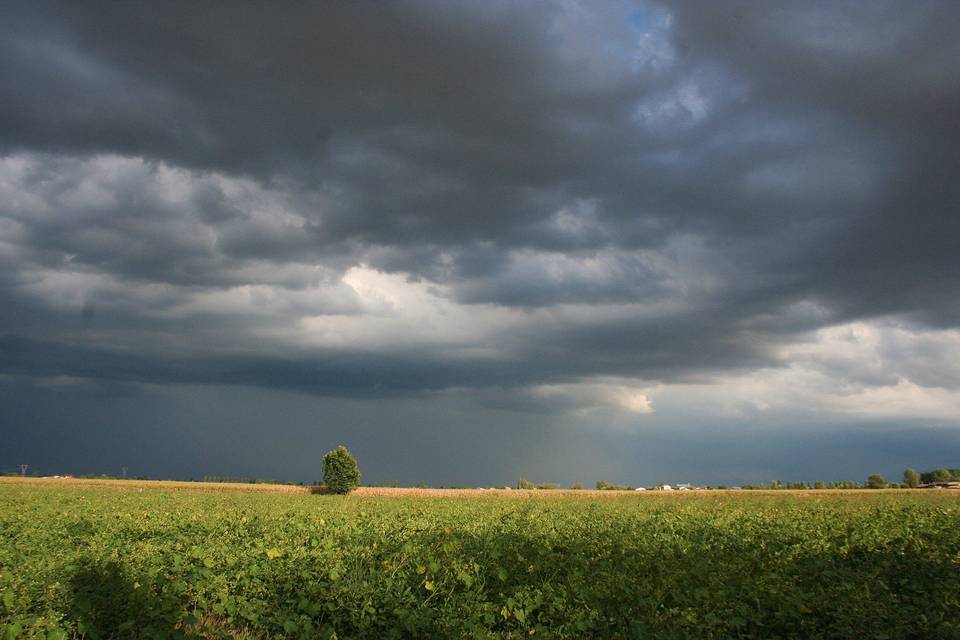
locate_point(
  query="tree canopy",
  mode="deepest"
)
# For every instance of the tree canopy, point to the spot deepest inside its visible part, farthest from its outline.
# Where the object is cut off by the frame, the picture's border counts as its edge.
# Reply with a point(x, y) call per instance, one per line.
point(341, 473)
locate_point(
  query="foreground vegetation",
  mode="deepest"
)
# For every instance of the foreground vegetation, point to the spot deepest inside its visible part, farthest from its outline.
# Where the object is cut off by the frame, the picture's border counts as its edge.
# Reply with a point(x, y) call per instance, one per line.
point(105, 562)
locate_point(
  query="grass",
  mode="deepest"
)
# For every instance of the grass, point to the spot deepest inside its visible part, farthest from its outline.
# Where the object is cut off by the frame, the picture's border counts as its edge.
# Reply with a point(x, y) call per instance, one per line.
point(132, 559)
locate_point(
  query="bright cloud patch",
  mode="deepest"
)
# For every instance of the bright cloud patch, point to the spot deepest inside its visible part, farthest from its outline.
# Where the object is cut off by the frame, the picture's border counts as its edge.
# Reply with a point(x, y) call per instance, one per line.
point(591, 395)
point(871, 371)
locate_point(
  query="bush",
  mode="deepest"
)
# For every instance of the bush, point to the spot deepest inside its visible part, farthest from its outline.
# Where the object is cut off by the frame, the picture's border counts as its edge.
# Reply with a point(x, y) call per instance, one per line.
point(603, 485)
point(341, 474)
point(942, 475)
point(911, 478)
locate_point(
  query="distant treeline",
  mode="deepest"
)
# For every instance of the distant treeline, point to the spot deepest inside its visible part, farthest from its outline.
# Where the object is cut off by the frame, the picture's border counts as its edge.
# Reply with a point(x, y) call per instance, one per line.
point(240, 480)
point(911, 479)
point(940, 475)
point(603, 485)
point(818, 484)
point(88, 476)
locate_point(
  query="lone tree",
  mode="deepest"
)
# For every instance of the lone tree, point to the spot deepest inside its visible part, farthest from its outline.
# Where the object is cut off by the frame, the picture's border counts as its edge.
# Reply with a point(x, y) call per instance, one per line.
point(876, 481)
point(341, 473)
point(911, 478)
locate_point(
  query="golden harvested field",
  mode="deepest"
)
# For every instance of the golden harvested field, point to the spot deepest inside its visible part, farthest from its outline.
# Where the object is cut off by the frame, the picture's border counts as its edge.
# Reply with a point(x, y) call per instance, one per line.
point(409, 492)
point(405, 492)
point(167, 485)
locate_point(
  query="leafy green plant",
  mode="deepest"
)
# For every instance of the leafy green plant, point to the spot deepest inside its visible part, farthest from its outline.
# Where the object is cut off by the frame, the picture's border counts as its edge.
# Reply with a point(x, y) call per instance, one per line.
point(118, 563)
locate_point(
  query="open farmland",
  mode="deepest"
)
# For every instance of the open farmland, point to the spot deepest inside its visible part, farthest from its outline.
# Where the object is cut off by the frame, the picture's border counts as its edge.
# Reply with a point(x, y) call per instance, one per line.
point(133, 560)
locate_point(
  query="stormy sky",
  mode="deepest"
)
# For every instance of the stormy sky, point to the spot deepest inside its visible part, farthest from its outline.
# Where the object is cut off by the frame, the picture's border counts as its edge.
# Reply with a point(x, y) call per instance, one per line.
point(715, 242)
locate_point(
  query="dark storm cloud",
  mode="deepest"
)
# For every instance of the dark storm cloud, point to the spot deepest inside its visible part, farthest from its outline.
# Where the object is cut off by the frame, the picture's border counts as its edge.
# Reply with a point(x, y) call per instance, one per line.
point(885, 77)
point(732, 166)
point(434, 103)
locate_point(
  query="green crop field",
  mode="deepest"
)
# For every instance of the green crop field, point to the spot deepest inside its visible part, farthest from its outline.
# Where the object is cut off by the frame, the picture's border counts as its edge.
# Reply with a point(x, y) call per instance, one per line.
point(107, 562)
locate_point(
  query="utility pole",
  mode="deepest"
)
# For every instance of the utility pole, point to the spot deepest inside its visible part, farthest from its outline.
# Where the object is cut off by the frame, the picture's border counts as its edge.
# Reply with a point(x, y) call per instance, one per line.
point(124, 472)
point(23, 469)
